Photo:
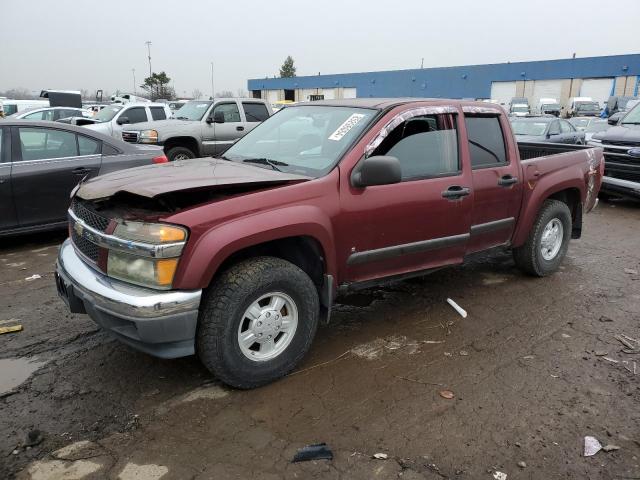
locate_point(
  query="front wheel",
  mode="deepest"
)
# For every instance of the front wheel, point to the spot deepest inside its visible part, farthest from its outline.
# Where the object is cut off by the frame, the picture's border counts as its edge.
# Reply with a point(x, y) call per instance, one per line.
point(257, 321)
point(548, 240)
point(180, 153)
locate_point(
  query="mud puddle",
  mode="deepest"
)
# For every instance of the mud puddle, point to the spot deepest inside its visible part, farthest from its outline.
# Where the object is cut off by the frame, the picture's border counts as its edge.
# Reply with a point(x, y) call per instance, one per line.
point(14, 371)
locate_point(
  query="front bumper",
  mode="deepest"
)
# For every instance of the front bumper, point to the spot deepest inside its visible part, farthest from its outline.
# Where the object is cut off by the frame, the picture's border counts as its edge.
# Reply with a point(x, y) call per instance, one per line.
point(618, 186)
point(162, 324)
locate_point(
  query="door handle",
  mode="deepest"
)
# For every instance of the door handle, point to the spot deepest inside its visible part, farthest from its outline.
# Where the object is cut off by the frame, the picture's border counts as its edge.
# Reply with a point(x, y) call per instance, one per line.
point(455, 192)
point(80, 171)
point(507, 180)
point(239, 128)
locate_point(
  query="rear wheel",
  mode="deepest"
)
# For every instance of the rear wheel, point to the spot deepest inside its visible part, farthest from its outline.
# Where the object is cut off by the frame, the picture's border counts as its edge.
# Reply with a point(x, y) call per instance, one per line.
point(257, 322)
point(180, 153)
point(548, 241)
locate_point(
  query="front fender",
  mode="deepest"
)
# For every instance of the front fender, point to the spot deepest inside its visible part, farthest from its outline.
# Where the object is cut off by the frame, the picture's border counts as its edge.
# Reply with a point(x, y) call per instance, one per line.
point(203, 257)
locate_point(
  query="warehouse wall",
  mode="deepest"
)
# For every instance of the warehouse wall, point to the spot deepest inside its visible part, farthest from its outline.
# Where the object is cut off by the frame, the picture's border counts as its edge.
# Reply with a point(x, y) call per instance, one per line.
point(472, 81)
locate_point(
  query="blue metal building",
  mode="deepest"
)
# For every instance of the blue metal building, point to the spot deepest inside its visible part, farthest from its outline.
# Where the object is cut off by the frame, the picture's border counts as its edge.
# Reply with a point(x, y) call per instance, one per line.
point(562, 79)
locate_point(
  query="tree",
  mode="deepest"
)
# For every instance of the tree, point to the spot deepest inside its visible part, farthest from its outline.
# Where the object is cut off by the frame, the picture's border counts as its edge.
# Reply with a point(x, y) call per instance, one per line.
point(196, 93)
point(288, 70)
point(157, 85)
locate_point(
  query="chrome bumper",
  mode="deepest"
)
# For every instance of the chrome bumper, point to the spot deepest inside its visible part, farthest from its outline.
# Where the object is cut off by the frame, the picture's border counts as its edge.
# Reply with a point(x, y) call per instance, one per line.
point(159, 323)
point(618, 183)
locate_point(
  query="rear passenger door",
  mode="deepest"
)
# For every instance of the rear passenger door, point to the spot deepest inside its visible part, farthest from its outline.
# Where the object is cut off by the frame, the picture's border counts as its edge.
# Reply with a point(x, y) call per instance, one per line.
point(254, 113)
point(7, 210)
point(496, 183)
point(225, 134)
point(158, 113)
point(47, 163)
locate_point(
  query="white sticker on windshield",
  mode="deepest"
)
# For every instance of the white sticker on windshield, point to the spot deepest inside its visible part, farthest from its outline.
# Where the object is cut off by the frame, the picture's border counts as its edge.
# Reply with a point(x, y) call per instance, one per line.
point(202, 105)
point(348, 124)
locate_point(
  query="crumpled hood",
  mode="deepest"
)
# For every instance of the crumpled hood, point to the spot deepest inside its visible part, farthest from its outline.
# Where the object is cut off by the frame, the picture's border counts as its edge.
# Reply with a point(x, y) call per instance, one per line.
point(152, 180)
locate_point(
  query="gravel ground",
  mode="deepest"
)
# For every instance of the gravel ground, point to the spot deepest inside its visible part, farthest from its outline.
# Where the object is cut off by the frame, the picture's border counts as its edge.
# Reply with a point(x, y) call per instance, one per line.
point(534, 368)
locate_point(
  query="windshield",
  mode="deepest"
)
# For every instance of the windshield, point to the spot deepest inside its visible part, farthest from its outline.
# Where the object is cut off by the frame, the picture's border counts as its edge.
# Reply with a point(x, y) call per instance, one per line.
point(535, 129)
point(550, 106)
point(597, 126)
point(590, 106)
point(107, 113)
point(306, 140)
point(519, 109)
point(633, 117)
point(192, 111)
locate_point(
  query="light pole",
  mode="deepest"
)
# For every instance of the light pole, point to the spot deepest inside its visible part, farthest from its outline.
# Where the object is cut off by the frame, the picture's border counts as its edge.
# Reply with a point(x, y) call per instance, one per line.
point(133, 70)
point(148, 44)
point(212, 92)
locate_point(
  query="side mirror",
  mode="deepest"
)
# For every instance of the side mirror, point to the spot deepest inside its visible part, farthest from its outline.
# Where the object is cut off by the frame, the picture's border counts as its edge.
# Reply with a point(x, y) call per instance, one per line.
point(123, 121)
point(614, 119)
point(378, 170)
point(218, 116)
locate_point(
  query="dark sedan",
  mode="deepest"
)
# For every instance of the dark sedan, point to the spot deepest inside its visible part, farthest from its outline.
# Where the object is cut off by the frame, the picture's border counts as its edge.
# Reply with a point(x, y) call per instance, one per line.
point(41, 162)
point(546, 129)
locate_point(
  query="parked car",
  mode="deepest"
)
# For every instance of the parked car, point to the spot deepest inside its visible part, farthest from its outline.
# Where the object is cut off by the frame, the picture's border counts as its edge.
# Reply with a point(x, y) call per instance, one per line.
point(112, 120)
point(621, 145)
point(519, 110)
point(95, 107)
point(238, 258)
point(201, 127)
point(50, 113)
point(583, 107)
point(618, 104)
point(596, 126)
point(546, 129)
point(549, 106)
point(41, 163)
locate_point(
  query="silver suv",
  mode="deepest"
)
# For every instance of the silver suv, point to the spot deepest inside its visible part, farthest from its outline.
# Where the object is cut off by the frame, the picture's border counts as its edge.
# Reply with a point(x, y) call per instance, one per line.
point(201, 128)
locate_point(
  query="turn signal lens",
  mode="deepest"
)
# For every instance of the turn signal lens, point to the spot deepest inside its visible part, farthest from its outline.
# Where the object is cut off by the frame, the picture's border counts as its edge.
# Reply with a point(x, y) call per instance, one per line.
point(165, 269)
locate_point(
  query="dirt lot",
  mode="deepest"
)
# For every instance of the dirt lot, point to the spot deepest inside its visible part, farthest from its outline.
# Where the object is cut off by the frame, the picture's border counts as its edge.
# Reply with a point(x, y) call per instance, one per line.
point(534, 368)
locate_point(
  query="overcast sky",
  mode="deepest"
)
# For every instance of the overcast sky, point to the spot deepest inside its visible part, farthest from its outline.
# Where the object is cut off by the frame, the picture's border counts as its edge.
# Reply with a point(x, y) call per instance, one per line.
point(75, 44)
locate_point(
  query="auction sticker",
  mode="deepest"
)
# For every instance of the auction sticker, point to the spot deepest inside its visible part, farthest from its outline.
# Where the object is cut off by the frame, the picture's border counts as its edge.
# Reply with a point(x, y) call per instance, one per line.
point(348, 124)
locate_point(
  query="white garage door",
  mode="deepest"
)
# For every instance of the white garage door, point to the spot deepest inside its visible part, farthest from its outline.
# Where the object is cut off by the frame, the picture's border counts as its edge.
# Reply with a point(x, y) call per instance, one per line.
point(329, 93)
point(545, 89)
point(349, 93)
point(503, 92)
point(272, 96)
point(597, 88)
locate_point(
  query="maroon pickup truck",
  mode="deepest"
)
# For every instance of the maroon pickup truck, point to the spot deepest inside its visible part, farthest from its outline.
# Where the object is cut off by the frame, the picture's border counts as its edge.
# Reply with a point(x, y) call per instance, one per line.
point(238, 258)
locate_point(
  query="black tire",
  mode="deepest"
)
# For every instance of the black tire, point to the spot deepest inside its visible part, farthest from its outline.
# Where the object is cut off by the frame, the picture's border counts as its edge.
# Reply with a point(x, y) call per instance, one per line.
point(174, 152)
point(529, 256)
point(223, 308)
point(605, 197)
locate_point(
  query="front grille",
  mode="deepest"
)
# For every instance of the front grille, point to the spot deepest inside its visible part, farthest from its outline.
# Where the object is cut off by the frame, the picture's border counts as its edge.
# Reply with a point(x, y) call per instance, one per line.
point(87, 248)
point(621, 143)
point(88, 216)
point(131, 137)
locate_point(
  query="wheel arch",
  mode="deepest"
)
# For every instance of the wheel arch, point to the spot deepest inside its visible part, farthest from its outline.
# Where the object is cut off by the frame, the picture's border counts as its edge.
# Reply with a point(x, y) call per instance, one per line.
point(182, 141)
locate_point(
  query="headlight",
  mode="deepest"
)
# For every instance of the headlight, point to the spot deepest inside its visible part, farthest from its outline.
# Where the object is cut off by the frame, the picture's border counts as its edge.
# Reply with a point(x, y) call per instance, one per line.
point(156, 267)
point(150, 232)
point(147, 272)
point(148, 136)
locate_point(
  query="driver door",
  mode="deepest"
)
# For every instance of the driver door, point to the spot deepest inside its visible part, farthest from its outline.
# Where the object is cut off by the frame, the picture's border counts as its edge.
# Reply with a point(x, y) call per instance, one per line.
point(225, 134)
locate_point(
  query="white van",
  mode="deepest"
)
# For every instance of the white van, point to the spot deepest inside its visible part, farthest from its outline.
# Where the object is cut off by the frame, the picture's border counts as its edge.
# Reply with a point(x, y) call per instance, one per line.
point(9, 107)
point(549, 106)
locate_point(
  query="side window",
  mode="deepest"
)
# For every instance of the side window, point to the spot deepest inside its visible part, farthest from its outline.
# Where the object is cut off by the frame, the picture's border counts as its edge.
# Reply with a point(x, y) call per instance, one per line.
point(554, 128)
point(1, 138)
point(70, 113)
point(426, 146)
point(486, 141)
point(88, 146)
point(230, 110)
point(135, 114)
point(255, 112)
point(43, 143)
point(565, 127)
point(157, 113)
point(34, 116)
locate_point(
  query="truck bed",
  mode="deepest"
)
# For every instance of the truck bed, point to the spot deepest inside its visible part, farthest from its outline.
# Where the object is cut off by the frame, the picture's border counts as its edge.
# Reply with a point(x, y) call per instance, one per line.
point(529, 150)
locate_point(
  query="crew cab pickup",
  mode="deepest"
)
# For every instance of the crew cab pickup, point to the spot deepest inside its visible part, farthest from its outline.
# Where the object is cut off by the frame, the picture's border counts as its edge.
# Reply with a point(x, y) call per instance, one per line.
point(238, 258)
point(201, 127)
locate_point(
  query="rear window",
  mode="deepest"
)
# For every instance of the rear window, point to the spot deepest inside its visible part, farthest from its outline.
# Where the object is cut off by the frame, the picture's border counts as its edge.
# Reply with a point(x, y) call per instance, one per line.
point(255, 112)
point(486, 141)
point(157, 113)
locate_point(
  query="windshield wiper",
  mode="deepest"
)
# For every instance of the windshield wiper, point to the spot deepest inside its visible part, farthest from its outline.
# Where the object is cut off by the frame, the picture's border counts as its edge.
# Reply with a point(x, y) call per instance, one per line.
point(266, 161)
point(182, 118)
point(630, 123)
